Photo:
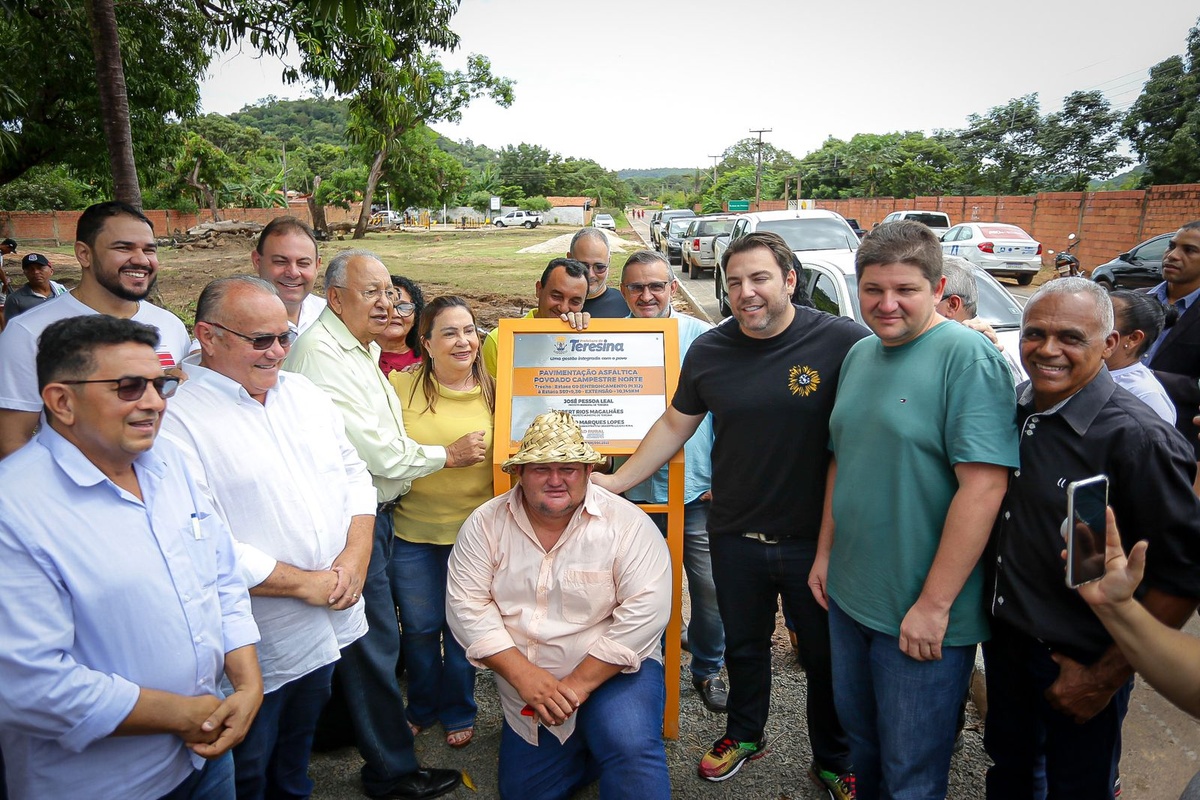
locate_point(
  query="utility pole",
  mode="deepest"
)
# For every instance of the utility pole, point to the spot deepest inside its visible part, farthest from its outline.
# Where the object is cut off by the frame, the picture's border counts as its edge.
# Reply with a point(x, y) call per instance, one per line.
point(758, 169)
point(715, 160)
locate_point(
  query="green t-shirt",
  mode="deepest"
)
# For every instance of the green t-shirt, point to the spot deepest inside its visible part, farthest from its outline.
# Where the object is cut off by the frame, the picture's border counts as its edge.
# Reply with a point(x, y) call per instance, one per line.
point(904, 417)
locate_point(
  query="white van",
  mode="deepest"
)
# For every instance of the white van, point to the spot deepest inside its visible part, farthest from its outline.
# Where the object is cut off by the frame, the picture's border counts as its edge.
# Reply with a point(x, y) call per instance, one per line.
point(937, 221)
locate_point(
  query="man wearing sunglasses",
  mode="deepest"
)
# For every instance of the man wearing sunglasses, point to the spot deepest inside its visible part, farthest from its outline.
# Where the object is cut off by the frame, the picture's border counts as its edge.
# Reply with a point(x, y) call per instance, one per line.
point(589, 246)
point(123, 603)
point(272, 451)
point(648, 283)
point(115, 246)
point(339, 354)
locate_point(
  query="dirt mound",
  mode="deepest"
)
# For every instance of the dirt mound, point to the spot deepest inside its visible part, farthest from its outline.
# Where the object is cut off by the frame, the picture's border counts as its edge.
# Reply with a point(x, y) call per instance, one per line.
point(560, 244)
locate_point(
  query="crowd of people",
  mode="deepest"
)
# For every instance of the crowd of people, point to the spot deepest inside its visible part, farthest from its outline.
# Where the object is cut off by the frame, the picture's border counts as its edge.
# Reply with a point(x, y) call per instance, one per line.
point(240, 535)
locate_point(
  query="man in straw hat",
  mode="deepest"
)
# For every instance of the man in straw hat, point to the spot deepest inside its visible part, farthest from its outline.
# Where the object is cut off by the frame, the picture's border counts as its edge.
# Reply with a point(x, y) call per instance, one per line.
point(563, 590)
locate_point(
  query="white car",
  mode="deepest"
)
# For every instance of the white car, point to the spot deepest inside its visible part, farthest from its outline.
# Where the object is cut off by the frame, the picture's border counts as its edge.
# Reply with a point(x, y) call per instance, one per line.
point(1003, 250)
point(605, 221)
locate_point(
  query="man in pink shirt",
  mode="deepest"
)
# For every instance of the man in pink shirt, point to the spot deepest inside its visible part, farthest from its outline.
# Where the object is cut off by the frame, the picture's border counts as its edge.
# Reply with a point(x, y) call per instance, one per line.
point(563, 590)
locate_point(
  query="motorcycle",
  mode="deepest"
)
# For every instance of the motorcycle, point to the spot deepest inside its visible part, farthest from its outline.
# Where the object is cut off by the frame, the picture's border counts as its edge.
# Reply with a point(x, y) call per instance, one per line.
point(1065, 263)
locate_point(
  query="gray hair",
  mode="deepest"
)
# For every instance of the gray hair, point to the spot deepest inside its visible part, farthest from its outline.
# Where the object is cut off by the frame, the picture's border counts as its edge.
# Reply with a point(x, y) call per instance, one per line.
point(648, 257)
point(1068, 285)
point(960, 282)
point(212, 299)
point(588, 233)
point(335, 272)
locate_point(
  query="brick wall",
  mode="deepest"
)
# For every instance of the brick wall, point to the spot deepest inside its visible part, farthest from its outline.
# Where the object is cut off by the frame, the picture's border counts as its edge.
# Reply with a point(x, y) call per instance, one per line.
point(1107, 223)
point(34, 228)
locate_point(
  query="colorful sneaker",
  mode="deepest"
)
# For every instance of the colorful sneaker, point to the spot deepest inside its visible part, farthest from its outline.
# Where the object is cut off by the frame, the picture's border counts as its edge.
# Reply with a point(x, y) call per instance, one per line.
point(727, 757)
point(838, 787)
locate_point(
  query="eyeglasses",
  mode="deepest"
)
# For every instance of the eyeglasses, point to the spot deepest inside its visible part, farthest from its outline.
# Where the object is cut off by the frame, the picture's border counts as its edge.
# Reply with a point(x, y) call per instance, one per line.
point(404, 309)
point(371, 295)
point(132, 387)
point(655, 287)
point(597, 267)
point(263, 342)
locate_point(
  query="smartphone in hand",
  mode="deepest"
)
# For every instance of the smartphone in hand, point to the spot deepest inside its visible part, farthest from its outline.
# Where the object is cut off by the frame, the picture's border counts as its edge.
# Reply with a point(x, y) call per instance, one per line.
point(1086, 502)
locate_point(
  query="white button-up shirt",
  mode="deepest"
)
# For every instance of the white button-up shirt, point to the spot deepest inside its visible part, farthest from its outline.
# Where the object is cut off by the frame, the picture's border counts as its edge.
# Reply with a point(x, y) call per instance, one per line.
point(286, 481)
point(603, 589)
point(329, 355)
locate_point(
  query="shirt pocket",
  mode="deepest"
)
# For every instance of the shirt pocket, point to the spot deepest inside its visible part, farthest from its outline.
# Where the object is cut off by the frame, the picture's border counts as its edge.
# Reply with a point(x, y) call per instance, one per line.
point(199, 540)
point(587, 595)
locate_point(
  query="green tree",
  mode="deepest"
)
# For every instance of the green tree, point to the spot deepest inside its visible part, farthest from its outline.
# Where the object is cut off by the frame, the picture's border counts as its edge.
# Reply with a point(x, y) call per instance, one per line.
point(528, 166)
point(1163, 124)
point(1080, 142)
point(1005, 143)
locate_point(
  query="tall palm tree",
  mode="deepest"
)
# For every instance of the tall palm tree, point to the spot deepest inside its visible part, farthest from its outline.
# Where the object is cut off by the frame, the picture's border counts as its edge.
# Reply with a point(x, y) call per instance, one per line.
point(114, 102)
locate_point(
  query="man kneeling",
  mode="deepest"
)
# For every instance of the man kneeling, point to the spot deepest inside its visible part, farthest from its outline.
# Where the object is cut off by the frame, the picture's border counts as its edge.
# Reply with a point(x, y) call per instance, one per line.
point(563, 589)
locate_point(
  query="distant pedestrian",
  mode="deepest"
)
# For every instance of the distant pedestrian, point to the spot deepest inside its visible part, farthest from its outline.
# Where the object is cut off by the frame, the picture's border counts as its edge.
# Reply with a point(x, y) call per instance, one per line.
point(38, 287)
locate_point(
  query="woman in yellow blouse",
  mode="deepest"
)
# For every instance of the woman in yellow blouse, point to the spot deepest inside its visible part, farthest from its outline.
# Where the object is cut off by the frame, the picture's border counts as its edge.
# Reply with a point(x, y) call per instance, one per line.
point(449, 395)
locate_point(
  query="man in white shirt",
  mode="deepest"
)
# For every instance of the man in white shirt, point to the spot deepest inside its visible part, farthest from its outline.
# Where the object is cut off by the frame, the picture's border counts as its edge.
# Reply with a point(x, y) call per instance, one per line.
point(286, 257)
point(270, 450)
point(576, 653)
point(115, 247)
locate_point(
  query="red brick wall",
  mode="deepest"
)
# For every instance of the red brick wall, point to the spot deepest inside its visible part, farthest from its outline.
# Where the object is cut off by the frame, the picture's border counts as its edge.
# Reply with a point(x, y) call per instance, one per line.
point(1107, 223)
point(58, 227)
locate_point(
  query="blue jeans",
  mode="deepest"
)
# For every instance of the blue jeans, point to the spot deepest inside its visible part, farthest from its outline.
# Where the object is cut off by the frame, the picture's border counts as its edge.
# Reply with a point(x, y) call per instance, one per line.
point(272, 761)
point(1038, 751)
point(367, 673)
point(751, 577)
point(706, 635)
point(214, 781)
point(617, 738)
point(901, 714)
point(441, 688)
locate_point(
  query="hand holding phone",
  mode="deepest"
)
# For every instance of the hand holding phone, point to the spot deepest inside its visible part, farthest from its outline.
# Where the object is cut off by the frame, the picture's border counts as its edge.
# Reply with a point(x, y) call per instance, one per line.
point(1086, 501)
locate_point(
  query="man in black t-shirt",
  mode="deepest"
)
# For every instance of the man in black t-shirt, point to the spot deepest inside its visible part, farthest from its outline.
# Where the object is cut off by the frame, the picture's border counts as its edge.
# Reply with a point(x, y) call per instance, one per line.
point(589, 246)
point(769, 381)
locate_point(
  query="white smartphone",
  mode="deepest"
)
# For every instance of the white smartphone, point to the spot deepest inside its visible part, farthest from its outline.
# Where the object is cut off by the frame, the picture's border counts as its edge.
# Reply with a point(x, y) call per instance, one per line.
point(1087, 500)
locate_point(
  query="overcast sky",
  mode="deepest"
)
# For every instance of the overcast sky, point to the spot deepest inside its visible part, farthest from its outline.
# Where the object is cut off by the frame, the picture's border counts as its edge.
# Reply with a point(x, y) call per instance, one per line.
point(669, 83)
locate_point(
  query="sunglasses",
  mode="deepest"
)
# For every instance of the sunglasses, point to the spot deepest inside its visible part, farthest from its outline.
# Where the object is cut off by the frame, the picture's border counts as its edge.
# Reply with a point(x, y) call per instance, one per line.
point(132, 387)
point(263, 342)
point(405, 309)
point(596, 267)
point(655, 287)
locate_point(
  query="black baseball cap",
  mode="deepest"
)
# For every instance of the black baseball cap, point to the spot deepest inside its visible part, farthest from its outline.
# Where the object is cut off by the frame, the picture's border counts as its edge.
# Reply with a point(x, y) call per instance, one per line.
point(11, 243)
point(33, 260)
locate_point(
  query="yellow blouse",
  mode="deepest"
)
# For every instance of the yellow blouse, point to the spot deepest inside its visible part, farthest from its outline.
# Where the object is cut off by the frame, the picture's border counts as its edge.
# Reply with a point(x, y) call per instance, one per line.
point(437, 505)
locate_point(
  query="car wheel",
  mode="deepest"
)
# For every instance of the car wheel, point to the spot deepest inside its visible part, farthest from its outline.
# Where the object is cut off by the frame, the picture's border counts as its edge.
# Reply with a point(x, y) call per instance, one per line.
point(528, 225)
point(499, 223)
point(1105, 283)
point(1024, 280)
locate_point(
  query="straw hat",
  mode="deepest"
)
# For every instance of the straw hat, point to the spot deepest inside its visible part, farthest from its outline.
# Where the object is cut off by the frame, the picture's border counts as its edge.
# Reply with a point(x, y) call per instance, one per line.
point(552, 438)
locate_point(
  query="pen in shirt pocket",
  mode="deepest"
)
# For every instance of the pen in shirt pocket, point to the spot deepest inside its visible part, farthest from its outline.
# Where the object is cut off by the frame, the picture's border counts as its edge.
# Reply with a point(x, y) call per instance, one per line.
point(196, 527)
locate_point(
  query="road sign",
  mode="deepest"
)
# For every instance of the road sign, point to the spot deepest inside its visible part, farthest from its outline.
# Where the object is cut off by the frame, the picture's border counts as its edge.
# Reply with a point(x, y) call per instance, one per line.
point(739, 205)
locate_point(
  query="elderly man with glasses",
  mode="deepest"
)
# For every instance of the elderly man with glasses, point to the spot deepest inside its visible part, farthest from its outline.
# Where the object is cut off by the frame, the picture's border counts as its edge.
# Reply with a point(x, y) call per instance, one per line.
point(272, 452)
point(589, 246)
point(339, 354)
point(123, 604)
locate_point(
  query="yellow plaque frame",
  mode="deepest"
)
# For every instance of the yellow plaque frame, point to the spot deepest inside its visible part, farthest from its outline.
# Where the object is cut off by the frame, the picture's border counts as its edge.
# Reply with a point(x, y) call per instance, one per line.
point(673, 508)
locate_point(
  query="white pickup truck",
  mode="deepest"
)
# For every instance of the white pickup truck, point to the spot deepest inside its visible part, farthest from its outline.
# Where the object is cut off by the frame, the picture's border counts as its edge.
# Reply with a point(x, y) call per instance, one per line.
point(526, 219)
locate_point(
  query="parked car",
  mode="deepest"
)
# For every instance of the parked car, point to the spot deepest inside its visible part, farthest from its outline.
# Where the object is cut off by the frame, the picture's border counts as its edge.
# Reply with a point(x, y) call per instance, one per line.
point(833, 287)
point(605, 221)
point(1138, 268)
point(671, 238)
point(387, 218)
point(814, 234)
point(697, 254)
point(853, 223)
point(1004, 250)
point(937, 221)
point(659, 222)
point(526, 219)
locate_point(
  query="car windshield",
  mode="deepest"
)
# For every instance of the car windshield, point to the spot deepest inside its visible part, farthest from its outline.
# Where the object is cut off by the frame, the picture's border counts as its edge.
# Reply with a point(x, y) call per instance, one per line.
point(1003, 232)
point(818, 233)
point(714, 227)
point(996, 306)
point(932, 220)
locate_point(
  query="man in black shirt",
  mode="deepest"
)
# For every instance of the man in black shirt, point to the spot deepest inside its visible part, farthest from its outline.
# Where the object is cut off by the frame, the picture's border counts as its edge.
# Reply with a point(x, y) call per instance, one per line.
point(769, 381)
point(1058, 687)
point(589, 246)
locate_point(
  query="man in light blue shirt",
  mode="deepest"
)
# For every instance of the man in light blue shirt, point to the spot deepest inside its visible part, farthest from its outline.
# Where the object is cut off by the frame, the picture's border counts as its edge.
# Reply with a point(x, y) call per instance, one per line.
point(118, 577)
point(648, 283)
